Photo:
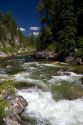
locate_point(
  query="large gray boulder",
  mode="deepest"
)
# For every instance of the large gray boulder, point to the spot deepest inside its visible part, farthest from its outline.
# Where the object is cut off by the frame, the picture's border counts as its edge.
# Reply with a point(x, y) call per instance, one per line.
point(46, 55)
point(16, 107)
point(79, 61)
point(70, 59)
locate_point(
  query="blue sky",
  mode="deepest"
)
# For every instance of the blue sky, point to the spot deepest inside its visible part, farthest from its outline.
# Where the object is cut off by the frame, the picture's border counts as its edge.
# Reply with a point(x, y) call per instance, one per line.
point(24, 11)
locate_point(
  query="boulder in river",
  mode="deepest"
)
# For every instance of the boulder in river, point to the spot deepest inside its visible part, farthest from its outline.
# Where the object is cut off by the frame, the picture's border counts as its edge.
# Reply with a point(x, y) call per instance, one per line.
point(69, 59)
point(74, 60)
point(46, 55)
point(16, 107)
point(79, 61)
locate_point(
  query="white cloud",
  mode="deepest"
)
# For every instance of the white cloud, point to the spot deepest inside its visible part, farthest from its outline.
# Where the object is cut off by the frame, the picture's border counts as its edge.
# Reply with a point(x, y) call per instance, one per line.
point(34, 28)
point(35, 33)
point(22, 29)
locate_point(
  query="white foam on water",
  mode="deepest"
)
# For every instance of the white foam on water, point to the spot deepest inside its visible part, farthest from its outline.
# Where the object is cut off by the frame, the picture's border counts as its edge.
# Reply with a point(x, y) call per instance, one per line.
point(41, 106)
point(9, 66)
point(73, 77)
point(32, 68)
point(25, 77)
point(21, 76)
point(75, 74)
point(51, 65)
point(31, 63)
point(64, 63)
point(4, 76)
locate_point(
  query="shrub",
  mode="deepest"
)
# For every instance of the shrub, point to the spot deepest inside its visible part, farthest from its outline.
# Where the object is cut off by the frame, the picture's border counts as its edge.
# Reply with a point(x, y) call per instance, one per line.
point(52, 47)
point(78, 53)
point(9, 86)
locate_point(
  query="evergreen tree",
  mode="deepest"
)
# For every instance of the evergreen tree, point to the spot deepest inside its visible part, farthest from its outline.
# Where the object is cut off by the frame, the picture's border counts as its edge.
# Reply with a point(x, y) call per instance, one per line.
point(62, 24)
point(68, 28)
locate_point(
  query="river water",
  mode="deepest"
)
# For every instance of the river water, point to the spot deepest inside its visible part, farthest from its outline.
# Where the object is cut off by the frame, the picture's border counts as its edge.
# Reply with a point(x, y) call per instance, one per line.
point(53, 90)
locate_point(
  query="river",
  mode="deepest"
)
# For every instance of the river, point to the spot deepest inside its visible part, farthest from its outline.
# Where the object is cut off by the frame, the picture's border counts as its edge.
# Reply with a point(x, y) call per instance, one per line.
point(53, 90)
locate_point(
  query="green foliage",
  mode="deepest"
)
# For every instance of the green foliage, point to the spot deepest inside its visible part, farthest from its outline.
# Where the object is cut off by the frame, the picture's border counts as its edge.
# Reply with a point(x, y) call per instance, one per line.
point(79, 50)
point(9, 86)
point(78, 53)
point(68, 27)
point(60, 22)
point(80, 42)
point(52, 47)
point(11, 38)
point(2, 113)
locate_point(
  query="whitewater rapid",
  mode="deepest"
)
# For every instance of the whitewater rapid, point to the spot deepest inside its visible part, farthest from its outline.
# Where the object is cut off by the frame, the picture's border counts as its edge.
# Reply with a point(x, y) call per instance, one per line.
point(40, 78)
point(44, 109)
point(41, 105)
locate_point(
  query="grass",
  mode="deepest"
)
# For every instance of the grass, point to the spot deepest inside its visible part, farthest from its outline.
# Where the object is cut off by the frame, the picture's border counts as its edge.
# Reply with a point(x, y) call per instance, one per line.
point(9, 86)
point(2, 113)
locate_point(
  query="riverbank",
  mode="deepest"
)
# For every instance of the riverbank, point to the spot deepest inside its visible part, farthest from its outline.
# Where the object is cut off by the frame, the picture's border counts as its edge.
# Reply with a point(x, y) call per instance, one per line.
point(11, 105)
point(4, 56)
point(52, 55)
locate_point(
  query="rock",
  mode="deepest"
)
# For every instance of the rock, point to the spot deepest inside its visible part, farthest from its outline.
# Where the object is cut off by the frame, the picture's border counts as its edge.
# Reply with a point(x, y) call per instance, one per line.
point(16, 107)
point(81, 79)
point(9, 121)
point(2, 54)
point(17, 41)
point(40, 55)
point(46, 55)
point(51, 55)
point(69, 59)
point(79, 61)
point(74, 60)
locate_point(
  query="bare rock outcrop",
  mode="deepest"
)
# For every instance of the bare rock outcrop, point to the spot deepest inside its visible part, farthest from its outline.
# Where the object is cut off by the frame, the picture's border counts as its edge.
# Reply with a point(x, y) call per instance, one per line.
point(16, 107)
